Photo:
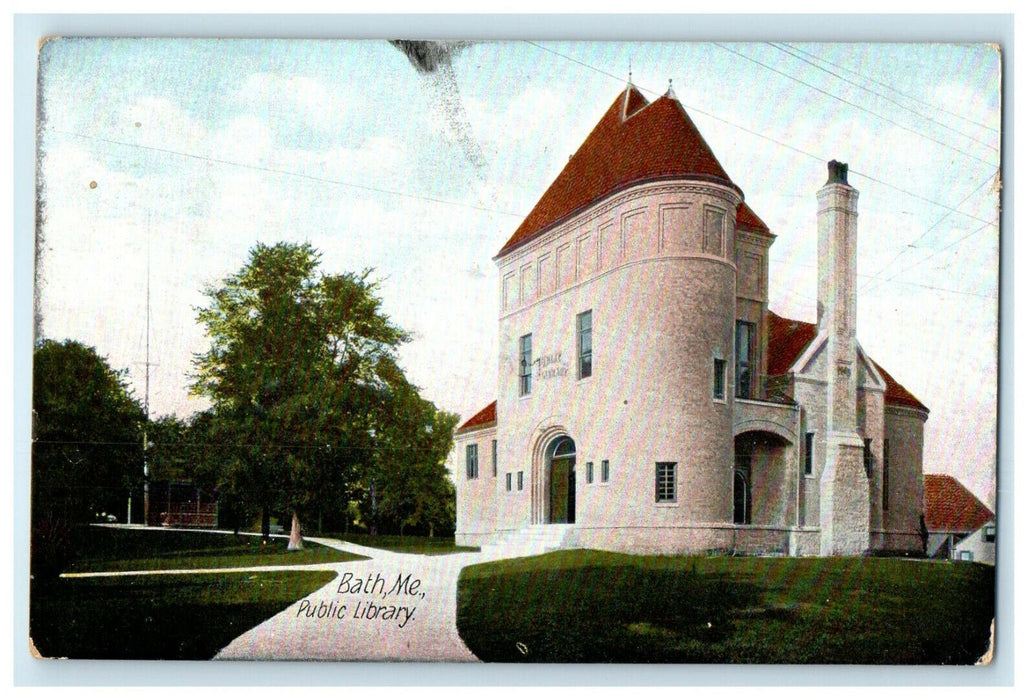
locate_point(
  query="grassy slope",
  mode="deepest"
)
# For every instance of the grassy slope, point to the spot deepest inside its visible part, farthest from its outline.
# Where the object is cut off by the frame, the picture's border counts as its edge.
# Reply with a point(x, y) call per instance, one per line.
point(166, 616)
point(586, 606)
point(158, 617)
point(109, 549)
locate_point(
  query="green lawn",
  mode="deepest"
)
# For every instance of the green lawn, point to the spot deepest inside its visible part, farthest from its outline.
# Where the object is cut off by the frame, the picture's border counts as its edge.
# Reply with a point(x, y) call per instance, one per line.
point(111, 549)
point(590, 606)
point(167, 616)
point(406, 544)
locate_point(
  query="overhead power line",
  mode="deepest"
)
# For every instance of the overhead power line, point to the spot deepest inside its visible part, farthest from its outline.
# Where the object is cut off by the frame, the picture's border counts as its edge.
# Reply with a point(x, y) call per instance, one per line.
point(777, 142)
point(852, 104)
point(916, 240)
point(788, 50)
point(892, 88)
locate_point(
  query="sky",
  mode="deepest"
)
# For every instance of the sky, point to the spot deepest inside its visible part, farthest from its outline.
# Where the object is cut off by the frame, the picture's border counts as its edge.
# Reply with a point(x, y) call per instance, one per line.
point(163, 162)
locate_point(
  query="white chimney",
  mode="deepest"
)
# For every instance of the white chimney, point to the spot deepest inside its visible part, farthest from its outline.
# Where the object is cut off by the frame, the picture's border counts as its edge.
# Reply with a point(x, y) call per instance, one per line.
point(844, 512)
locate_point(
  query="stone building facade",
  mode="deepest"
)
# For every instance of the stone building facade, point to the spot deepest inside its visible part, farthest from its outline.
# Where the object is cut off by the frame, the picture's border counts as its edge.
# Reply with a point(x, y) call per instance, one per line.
point(648, 399)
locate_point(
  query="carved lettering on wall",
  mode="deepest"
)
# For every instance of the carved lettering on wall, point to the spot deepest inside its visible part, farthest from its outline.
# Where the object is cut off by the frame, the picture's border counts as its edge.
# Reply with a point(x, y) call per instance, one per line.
point(550, 366)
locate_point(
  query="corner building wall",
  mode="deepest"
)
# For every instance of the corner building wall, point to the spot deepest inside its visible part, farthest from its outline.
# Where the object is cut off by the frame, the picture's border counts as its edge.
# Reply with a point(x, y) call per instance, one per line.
point(662, 292)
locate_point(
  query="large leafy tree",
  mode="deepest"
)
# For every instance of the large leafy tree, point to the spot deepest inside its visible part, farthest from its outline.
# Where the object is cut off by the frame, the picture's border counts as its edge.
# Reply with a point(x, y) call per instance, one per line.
point(295, 359)
point(87, 449)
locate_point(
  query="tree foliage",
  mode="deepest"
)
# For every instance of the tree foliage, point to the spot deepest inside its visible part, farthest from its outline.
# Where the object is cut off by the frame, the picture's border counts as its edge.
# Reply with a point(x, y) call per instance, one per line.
point(87, 449)
point(302, 375)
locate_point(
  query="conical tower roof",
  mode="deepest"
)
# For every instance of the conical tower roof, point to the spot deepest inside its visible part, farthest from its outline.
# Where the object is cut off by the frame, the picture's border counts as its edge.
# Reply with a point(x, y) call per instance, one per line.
point(635, 141)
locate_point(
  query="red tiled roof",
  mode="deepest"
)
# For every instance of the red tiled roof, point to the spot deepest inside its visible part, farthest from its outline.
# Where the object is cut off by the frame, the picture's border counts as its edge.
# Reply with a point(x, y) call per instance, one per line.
point(633, 142)
point(747, 218)
point(950, 507)
point(787, 341)
point(789, 338)
point(482, 419)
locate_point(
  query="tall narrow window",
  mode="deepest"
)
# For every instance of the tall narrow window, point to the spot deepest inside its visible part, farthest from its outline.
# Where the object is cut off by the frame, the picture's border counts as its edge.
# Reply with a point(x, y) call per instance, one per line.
point(605, 470)
point(745, 353)
point(719, 380)
point(494, 461)
point(665, 482)
point(521, 480)
point(886, 478)
point(508, 481)
point(589, 472)
point(525, 364)
point(584, 324)
point(472, 461)
point(868, 457)
point(808, 453)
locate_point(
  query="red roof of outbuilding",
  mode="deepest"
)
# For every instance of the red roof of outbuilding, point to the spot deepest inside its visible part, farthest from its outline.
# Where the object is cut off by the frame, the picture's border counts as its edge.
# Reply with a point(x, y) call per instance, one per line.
point(950, 507)
point(789, 338)
point(482, 419)
point(635, 141)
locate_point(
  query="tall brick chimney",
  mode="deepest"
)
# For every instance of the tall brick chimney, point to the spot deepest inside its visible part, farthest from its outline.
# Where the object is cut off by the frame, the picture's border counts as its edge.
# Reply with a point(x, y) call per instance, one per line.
point(844, 513)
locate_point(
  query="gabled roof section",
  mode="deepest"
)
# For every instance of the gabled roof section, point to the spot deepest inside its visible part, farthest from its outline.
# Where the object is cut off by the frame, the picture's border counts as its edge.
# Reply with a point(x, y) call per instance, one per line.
point(748, 219)
point(950, 507)
point(635, 141)
point(896, 393)
point(788, 339)
point(484, 418)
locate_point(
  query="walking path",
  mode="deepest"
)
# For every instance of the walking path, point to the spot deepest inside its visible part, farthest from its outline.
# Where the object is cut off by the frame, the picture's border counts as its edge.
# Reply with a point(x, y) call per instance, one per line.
point(391, 607)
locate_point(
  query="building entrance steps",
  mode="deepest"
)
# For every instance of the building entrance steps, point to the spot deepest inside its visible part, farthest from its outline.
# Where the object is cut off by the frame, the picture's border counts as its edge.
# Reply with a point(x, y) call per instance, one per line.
point(531, 540)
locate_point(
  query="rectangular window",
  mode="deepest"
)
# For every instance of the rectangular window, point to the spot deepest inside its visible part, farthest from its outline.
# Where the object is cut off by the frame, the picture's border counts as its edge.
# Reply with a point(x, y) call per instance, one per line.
point(584, 323)
point(886, 478)
point(868, 457)
point(665, 482)
point(745, 352)
point(808, 453)
point(966, 555)
point(525, 365)
point(494, 462)
point(990, 533)
point(521, 481)
point(719, 380)
point(605, 470)
point(472, 461)
point(508, 481)
point(589, 472)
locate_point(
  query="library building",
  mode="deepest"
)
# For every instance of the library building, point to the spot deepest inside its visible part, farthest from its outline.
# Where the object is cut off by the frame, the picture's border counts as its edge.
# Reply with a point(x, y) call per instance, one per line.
point(649, 401)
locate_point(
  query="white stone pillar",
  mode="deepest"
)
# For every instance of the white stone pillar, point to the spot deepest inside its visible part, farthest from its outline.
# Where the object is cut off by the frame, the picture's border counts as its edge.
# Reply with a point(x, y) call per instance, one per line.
point(844, 493)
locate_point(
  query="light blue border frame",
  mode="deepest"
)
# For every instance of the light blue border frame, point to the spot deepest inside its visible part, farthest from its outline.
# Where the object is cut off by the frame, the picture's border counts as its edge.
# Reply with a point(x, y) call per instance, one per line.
point(28, 29)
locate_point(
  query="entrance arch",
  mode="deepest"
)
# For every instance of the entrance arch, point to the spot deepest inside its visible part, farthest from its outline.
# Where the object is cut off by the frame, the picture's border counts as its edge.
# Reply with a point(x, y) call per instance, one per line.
point(560, 489)
point(761, 492)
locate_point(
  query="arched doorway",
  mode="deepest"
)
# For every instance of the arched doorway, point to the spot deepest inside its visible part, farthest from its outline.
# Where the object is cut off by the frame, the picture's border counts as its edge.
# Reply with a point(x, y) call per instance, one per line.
point(560, 455)
point(759, 493)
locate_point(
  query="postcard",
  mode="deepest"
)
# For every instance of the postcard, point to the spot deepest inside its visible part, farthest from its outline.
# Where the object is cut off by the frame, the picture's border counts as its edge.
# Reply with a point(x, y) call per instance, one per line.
point(516, 351)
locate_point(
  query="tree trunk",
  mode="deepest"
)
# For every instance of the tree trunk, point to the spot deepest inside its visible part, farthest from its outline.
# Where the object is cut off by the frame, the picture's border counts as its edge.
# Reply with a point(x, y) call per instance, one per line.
point(295, 541)
point(265, 523)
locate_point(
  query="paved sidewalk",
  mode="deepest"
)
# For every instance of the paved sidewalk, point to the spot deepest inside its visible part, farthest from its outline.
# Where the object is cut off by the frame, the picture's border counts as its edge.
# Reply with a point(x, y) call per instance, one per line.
point(392, 607)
